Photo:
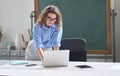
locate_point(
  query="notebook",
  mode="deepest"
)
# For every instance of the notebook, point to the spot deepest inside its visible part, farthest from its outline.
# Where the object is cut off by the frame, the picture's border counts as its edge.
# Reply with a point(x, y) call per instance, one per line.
point(56, 58)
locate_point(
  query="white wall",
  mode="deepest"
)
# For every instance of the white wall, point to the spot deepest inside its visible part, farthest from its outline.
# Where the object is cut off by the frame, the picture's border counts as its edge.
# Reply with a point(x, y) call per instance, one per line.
point(117, 31)
point(115, 4)
point(112, 4)
point(15, 18)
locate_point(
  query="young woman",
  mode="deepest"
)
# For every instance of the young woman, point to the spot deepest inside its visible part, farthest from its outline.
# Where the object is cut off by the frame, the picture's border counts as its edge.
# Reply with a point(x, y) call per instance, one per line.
point(47, 32)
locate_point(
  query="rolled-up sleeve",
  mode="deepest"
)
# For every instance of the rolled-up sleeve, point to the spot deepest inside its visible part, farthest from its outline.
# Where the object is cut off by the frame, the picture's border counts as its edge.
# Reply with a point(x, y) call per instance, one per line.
point(57, 37)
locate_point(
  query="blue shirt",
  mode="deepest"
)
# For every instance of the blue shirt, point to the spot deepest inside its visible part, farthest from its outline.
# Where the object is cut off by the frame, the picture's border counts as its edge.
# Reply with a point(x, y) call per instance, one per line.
point(44, 37)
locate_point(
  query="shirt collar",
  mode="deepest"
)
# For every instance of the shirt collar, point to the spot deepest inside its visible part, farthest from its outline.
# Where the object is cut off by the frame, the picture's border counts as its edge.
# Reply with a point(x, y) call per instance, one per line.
point(47, 29)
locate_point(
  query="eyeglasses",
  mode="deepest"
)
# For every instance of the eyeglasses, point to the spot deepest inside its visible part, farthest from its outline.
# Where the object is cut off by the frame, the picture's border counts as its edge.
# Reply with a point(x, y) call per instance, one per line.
point(51, 19)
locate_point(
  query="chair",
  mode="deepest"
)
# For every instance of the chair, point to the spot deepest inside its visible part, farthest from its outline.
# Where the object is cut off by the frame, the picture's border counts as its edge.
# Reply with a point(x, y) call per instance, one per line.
point(77, 47)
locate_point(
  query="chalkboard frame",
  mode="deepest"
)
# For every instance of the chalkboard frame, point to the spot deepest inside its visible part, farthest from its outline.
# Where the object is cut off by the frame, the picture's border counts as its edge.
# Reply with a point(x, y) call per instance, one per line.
point(108, 29)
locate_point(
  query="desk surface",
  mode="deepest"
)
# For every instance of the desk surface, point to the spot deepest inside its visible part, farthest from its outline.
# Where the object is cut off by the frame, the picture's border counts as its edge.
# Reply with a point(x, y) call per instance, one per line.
point(99, 69)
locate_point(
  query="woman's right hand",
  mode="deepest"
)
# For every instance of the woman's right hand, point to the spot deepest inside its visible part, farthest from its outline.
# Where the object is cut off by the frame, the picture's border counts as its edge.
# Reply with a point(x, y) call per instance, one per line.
point(41, 54)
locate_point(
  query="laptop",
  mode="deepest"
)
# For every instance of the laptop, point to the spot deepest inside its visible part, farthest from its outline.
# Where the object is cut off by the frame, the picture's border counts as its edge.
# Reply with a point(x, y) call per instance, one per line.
point(56, 58)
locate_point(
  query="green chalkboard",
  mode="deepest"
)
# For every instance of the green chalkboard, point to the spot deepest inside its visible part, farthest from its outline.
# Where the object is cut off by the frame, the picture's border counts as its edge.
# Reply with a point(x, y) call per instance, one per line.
point(82, 19)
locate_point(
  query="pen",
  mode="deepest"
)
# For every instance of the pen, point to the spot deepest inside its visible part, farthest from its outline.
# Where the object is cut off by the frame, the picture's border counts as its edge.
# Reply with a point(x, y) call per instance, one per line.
point(28, 65)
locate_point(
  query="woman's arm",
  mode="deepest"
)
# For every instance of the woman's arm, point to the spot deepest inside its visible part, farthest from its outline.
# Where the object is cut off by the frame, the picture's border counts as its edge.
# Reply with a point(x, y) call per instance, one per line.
point(40, 52)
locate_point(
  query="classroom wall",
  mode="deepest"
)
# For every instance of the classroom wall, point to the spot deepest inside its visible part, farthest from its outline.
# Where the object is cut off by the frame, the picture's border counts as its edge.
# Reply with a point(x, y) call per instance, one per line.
point(15, 18)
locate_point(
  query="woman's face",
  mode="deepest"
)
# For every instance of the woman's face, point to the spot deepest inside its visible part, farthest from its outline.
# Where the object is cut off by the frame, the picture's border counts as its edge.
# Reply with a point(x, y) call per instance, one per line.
point(50, 19)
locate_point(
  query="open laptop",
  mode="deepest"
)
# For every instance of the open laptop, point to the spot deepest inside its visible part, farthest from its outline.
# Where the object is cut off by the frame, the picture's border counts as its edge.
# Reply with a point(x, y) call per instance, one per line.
point(56, 58)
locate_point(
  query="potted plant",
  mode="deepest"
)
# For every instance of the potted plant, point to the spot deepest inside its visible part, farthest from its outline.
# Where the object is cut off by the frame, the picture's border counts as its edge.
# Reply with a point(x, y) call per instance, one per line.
point(0, 32)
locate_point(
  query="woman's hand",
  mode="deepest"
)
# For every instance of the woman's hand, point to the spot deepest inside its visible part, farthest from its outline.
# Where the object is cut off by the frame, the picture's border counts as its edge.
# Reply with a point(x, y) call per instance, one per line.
point(41, 54)
point(56, 48)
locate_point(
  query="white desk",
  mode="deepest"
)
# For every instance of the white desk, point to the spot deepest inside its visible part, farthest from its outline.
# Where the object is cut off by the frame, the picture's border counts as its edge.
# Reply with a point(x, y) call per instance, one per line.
point(99, 69)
